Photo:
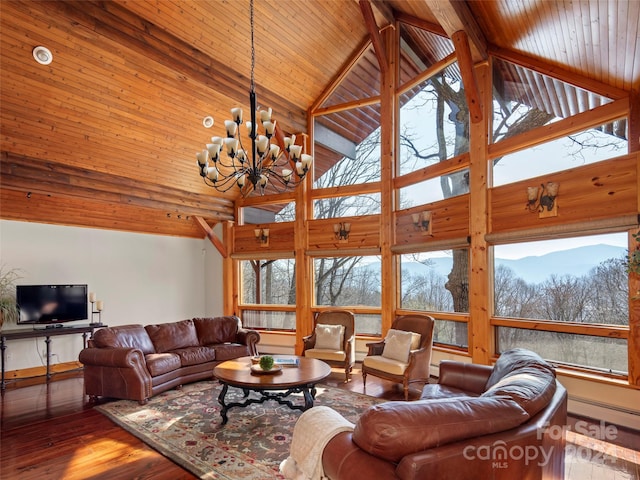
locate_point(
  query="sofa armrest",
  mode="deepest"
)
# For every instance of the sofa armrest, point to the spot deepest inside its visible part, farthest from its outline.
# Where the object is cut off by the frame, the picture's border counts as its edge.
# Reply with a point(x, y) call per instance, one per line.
point(344, 460)
point(119, 357)
point(375, 348)
point(118, 372)
point(469, 377)
point(250, 338)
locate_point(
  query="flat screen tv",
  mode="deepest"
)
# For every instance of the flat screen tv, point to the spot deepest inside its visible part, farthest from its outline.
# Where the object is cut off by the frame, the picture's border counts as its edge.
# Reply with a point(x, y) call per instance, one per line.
point(44, 304)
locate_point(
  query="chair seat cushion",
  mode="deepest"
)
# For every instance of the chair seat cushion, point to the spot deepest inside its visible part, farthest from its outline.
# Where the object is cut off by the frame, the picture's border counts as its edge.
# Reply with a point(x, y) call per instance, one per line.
point(326, 354)
point(388, 365)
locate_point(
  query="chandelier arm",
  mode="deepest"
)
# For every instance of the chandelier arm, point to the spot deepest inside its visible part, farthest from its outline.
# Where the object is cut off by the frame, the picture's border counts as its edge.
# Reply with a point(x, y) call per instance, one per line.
point(220, 186)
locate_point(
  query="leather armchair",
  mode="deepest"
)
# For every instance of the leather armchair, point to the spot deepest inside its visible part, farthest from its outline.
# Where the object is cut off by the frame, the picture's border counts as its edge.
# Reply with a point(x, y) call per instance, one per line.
point(417, 368)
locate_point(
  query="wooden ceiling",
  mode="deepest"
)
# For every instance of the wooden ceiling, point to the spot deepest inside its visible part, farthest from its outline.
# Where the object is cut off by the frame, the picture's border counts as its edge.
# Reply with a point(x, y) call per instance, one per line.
point(106, 135)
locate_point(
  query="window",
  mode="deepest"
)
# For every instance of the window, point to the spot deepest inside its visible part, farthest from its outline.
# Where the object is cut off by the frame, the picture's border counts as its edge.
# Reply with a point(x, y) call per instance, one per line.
point(268, 282)
point(269, 213)
point(351, 282)
point(581, 280)
point(577, 149)
point(601, 353)
point(435, 281)
point(434, 122)
point(565, 283)
point(346, 158)
point(435, 189)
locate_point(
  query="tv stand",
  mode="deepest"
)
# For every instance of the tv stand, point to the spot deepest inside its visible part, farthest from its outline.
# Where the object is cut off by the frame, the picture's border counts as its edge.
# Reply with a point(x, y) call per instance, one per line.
point(47, 332)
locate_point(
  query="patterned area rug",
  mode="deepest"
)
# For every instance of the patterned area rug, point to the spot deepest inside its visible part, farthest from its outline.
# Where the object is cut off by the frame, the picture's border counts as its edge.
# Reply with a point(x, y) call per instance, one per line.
point(185, 426)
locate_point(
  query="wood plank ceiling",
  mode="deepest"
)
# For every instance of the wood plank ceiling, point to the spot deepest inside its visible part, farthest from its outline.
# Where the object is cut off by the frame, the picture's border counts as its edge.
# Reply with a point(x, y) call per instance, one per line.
point(106, 135)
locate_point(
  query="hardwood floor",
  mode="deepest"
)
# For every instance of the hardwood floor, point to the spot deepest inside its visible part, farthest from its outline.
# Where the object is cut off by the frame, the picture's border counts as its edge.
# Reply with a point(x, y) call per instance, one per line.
point(50, 431)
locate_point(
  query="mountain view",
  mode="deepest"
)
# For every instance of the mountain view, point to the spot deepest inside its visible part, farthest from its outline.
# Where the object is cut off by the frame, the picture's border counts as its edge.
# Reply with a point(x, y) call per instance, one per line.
point(535, 269)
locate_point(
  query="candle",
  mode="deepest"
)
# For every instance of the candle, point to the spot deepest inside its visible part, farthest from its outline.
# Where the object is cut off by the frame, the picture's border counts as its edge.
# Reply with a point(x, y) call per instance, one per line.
point(92, 296)
point(99, 305)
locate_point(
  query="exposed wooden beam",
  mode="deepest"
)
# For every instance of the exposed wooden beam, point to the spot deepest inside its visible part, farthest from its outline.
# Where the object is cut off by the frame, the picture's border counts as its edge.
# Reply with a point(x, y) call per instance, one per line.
point(383, 8)
point(208, 230)
point(28, 174)
point(467, 70)
point(374, 33)
point(454, 15)
point(420, 23)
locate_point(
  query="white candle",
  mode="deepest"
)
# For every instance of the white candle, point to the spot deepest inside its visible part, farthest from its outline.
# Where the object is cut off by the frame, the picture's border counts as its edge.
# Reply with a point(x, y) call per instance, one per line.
point(92, 296)
point(99, 305)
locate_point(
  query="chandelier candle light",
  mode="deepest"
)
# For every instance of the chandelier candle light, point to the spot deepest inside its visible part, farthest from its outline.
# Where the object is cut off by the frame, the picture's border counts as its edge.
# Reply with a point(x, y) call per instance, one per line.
point(264, 162)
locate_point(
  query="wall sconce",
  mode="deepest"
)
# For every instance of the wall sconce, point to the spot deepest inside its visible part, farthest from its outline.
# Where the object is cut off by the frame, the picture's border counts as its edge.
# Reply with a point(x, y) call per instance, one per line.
point(545, 204)
point(422, 221)
point(341, 231)
point(262, 236)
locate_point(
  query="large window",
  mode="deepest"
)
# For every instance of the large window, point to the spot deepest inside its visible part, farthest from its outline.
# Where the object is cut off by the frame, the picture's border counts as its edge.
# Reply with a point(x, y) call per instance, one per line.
point(268, 283)
point(580, 280)
point(565, 284)
point(435, 281)
point(434, 121)
point(350, 282)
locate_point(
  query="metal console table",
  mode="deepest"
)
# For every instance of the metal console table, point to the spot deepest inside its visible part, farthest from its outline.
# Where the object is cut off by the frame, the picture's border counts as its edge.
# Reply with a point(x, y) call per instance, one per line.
point(47, 333)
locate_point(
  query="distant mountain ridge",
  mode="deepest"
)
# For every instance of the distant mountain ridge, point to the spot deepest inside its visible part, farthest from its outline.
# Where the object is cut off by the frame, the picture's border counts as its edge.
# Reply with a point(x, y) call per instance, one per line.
point(535, 269)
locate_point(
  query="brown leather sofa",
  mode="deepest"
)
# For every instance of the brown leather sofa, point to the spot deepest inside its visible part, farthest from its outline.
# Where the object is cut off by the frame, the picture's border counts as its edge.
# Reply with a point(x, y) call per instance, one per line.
point(136, 362)
point(503, 422)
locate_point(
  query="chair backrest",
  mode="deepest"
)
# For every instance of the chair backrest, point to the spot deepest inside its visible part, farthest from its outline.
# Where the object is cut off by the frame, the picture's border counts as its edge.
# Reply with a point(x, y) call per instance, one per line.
point(422, 324)
point(337, 317)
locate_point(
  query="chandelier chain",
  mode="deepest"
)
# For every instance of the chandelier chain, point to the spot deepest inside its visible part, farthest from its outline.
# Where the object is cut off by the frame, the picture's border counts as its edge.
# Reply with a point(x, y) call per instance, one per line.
point(253, 50)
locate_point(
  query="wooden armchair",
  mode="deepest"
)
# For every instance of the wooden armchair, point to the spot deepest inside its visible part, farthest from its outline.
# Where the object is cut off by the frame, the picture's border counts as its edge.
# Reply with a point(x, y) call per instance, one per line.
point(337, 352)
point(395, 364)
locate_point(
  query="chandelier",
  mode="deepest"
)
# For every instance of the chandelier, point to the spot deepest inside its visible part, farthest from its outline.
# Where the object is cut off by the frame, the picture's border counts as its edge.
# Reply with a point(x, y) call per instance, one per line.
point(265, 163)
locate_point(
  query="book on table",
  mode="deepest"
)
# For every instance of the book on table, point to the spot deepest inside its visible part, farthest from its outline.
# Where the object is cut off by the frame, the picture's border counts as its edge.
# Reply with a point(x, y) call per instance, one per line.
point(287, 361)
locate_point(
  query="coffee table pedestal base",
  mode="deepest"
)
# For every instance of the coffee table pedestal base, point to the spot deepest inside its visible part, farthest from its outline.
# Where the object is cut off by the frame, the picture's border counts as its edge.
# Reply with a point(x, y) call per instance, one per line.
point(308, 392)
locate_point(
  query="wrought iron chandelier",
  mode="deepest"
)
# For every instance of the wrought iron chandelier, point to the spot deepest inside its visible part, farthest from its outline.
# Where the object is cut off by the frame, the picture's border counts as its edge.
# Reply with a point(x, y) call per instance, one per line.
point(281, 166)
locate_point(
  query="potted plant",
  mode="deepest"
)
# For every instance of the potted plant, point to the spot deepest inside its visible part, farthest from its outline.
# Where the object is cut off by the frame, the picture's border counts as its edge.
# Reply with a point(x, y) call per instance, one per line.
point(9, 313)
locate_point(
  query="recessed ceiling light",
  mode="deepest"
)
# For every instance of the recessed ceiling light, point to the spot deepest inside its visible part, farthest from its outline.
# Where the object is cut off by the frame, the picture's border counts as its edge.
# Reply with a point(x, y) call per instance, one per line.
point(207, 121)
point(42, 55)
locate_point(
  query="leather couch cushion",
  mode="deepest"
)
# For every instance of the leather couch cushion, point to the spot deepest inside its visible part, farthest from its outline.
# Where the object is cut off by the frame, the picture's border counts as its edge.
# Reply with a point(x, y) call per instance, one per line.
point(174, 335)
point(212, 331)
point(160, 363)
point(195, 355)
point(229, 351)
point(394, 429)
point(512, 360)
point(524, 377)
point(437, 390)
point(125, 336)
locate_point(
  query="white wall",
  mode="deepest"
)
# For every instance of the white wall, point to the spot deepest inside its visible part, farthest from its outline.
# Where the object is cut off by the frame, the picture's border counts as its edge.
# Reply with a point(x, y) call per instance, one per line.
point(140, 278)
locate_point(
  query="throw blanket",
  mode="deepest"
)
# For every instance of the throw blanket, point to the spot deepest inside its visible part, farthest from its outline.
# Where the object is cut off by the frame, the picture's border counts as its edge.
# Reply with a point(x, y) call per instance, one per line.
point(312, 432)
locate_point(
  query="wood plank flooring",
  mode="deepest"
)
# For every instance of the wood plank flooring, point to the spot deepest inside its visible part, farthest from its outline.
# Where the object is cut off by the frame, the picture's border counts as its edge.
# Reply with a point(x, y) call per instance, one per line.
point(50, 431)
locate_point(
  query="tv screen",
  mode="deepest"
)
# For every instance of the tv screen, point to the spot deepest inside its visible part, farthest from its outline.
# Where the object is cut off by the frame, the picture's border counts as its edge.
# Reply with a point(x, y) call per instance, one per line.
point(51, 303)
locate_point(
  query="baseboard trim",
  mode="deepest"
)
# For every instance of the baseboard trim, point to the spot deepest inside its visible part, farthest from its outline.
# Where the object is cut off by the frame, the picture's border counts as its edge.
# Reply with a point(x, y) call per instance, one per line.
point(613, 414)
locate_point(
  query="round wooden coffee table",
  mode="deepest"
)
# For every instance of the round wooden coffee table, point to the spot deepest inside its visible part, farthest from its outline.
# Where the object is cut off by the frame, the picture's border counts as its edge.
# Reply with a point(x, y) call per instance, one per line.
point(271, 386)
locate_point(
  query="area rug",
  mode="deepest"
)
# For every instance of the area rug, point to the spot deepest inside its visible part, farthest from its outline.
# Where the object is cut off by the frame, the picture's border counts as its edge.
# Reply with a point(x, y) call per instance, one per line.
point(185, 426)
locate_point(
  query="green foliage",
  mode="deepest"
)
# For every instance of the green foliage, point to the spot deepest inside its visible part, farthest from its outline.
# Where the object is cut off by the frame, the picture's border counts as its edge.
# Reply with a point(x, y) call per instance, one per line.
point(633, 260)
point(266, 362)
point(8, 308)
